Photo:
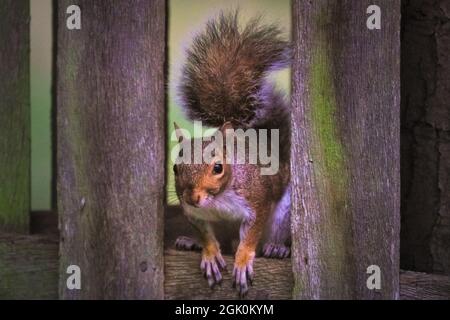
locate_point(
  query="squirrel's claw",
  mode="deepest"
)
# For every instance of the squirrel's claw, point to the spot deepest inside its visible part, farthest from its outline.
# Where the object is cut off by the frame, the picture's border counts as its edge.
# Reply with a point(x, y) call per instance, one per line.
point(276, 251)
point(211, 267)
point(242, 278)
point(221, 262)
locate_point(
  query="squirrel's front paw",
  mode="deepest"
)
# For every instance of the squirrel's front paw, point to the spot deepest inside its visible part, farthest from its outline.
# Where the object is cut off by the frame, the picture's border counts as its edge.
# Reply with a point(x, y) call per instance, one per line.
point(212, 263)
point(243, 271)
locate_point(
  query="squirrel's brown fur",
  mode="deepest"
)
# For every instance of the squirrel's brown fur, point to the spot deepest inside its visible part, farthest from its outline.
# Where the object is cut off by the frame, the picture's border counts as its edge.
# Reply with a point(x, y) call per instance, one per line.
point(224, 85)
point(224, 76)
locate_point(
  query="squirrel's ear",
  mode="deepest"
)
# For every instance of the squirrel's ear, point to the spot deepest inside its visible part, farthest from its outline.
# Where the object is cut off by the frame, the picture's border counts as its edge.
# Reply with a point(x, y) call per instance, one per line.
point(178, 132)
point(225, 126)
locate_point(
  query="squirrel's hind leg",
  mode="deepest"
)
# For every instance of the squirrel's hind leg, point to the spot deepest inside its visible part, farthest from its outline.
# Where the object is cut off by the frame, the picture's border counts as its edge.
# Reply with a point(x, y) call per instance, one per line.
point(184, 243)
point(277, 244)
point(276, 250)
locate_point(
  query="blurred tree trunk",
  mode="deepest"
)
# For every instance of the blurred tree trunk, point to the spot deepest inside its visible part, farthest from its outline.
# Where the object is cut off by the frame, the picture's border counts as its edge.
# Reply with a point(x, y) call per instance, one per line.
point(14, 115)
point(345, 156)
point(111, 148)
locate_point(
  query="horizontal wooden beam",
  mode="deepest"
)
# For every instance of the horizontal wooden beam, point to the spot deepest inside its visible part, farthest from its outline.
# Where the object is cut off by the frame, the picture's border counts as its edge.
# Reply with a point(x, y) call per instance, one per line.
point(29, 270)
point(424, 286)
point(183, 279)
point(28, 267)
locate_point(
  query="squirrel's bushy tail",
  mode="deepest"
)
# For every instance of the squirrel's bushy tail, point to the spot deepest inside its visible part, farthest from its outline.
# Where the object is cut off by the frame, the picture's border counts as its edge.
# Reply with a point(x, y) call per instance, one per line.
point(224, 75)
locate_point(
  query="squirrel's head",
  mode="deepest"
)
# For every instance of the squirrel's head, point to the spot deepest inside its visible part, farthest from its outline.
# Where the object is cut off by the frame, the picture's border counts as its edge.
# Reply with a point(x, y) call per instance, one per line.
point(198, 184)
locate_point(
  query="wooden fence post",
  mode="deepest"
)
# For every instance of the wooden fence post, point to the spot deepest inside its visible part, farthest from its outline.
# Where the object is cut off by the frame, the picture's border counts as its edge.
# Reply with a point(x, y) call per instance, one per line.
point(111, 148)
point(345, 156)
point(14, 115)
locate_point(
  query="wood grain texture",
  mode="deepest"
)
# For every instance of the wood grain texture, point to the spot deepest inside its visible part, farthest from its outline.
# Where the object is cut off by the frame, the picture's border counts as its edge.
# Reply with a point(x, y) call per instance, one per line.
point(28, 267)
point(184, 280)
point(15, 123)
point(111, 148)
point(29, 270)
point(423, 286)
point(345, 149)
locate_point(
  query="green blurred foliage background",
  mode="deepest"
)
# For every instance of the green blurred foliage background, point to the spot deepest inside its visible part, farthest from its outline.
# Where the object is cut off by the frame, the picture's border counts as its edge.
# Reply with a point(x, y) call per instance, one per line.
point(186, 18)
point(41, 75)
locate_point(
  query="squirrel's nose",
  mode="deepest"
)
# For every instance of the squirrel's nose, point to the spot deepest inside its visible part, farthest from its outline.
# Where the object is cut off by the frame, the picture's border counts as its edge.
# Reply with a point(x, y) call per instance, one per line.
point(196, 199)
point(193, 199)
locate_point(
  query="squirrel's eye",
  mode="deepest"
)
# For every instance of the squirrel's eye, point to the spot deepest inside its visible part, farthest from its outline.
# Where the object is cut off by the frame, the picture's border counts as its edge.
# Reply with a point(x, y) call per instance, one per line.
point(218, 168)
point(175, 169)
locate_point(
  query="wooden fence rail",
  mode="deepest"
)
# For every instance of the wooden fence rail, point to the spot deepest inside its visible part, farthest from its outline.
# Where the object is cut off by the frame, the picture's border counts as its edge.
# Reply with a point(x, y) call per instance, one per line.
point(29, 270)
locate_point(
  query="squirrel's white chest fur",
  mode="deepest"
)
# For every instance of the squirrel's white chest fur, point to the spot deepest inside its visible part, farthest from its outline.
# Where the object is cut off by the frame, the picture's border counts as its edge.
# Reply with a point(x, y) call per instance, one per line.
point(226, 206)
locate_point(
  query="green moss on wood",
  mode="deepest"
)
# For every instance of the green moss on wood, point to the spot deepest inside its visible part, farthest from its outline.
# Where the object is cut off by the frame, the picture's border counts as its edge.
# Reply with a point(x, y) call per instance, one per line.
point(328, 158)
point(329, 148)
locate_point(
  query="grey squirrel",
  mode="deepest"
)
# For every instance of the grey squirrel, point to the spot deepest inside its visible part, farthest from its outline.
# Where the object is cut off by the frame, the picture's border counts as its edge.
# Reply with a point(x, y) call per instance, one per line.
point(224, 84)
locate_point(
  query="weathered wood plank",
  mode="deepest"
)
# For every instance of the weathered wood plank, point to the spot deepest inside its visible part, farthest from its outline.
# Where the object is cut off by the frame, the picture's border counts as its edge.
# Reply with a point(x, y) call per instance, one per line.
point(184, 279)
point(424, 286)
point(15, 153)
point(29, 270)
point(345, 149)
point(28, 267)
point(111, 147)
